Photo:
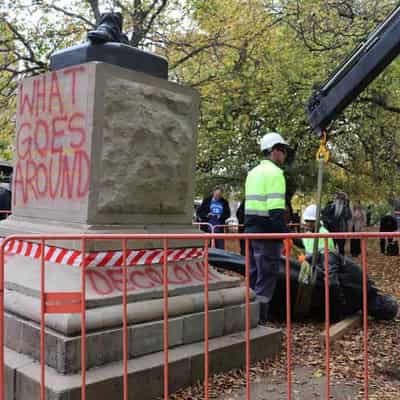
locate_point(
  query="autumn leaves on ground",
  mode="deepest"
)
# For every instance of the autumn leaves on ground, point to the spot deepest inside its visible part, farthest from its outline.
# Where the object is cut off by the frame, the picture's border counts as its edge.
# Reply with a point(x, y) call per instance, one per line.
point(347, 361)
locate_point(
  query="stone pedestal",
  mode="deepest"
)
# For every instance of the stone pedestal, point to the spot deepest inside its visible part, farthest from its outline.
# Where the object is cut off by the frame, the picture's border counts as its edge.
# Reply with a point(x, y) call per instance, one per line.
point(100, 149)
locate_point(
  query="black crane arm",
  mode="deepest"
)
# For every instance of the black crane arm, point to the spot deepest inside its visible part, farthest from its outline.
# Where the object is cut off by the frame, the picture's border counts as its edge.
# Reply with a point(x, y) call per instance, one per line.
point(366, 62)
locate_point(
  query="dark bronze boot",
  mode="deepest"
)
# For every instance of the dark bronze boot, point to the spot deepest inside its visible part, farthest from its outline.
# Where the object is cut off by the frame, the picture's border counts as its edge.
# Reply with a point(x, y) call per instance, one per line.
point(109, 29)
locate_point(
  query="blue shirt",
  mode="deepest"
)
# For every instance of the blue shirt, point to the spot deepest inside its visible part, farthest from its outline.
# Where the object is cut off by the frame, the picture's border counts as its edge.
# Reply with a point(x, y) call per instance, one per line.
point(216, 208)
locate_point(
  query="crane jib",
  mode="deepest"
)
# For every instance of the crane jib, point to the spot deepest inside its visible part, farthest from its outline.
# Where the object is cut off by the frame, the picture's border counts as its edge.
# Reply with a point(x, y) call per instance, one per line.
point(366, 62)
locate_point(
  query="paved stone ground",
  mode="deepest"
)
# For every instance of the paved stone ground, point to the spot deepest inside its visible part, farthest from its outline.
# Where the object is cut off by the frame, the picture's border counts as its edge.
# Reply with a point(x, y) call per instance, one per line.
point(307, 385)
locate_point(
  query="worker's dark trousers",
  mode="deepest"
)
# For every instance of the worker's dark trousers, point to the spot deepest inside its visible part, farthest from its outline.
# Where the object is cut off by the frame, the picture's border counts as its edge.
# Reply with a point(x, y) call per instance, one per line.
point(264, 265)
point(384, 242)
point(219, 243)
point(383, 246)
point(355, 246)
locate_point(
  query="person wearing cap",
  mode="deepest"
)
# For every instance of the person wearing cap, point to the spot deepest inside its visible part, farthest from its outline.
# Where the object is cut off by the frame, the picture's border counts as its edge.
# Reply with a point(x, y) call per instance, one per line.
point(265, 213)
point(309, 218)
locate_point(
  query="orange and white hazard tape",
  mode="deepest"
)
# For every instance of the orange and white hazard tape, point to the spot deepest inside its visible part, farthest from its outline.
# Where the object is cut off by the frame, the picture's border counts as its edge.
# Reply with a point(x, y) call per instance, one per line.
point(102, 258)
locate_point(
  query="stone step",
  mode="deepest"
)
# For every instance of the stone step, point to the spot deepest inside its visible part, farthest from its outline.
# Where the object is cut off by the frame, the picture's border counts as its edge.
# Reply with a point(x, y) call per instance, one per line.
point(186, 366)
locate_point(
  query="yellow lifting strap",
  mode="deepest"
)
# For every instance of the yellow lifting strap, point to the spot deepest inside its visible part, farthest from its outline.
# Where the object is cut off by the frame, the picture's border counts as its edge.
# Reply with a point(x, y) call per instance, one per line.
point(304, 292)
point(322, 157)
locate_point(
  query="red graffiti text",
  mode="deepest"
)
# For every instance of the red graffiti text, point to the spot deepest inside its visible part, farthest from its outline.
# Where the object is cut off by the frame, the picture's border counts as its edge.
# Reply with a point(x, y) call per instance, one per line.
point(52, 161)
point(110, 280)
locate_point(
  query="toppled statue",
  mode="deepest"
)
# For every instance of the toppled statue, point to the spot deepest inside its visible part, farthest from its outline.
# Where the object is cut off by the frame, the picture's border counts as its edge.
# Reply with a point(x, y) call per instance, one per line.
point(107, 43)
point(109, 29)
point(345, 286)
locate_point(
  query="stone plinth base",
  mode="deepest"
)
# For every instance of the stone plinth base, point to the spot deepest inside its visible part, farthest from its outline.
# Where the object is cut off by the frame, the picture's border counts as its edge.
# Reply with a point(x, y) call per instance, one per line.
point(186, 366)
point(103, 346)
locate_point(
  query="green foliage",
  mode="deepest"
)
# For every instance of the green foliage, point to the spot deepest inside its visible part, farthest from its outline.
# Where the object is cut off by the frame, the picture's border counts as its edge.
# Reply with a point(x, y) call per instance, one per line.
point(6, 103)
point(258, 75)
point(255, 64)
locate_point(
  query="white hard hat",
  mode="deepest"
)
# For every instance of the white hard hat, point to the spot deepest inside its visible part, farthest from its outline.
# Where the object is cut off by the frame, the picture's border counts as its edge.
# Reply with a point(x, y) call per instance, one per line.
point(269, 140)
point(310, 213)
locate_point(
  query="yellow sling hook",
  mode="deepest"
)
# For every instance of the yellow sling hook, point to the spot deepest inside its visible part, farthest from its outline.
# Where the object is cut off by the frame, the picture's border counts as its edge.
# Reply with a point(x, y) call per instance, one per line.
point(323, 152)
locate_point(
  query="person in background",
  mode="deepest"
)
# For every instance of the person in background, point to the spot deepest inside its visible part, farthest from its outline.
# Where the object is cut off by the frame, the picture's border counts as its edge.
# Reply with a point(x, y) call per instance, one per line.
point(240, 217)
point(388, 246)
point(397, 217)
point(358, 223)
point(337, 217)
point(265, 213)
point(5, 200)
point(214, 210)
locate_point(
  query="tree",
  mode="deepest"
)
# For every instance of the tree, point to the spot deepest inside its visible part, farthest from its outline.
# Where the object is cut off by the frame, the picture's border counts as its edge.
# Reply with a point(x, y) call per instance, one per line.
point(7, 105)
point(255, 64)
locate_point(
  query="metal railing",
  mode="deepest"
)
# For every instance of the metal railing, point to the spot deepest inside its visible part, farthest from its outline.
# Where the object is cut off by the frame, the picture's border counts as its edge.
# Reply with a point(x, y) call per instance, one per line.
point(75, 302)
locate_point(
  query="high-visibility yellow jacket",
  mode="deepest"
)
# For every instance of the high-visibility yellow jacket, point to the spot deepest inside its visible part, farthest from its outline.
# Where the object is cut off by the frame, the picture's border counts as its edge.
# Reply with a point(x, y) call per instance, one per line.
point(265, 199)
point(309, 243)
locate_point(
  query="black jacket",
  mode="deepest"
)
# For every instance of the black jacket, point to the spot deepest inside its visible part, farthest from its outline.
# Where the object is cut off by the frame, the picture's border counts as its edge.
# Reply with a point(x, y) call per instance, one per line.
point(388, 224)
point(333, 223)
point(204, 210)
point(240, 216)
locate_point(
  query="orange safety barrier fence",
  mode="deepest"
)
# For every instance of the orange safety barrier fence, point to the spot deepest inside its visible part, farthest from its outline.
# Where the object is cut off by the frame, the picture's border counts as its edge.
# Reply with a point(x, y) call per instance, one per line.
point(75, 302)
point(213, 228)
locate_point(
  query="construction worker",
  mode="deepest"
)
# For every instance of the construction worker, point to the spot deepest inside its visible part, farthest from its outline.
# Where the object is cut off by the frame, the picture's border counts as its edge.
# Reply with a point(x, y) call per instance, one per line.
point(309, 218)
point(308, 276)
point(265, 213)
